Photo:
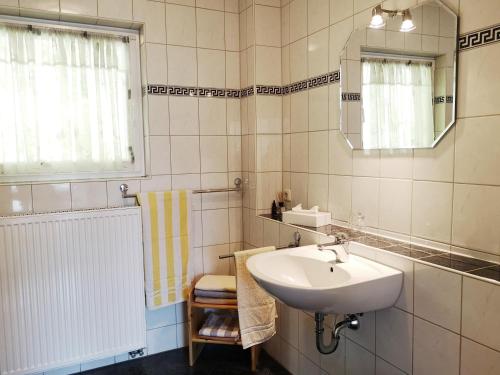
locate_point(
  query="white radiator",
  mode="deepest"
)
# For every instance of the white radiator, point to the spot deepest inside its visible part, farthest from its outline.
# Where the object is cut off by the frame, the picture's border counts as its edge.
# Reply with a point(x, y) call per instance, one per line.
point(71, 288)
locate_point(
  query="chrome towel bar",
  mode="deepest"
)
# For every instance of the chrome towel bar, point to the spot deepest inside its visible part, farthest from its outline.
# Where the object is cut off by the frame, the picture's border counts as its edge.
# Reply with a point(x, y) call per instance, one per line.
point(237, 184)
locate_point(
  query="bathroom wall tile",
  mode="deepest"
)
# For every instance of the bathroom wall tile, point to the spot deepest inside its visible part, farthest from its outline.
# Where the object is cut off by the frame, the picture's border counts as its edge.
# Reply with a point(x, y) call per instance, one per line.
point(232, 70)
point(298, 185)
point(97, 363)
point(396, 163)
point(268, 184)
point(267, 26)
point(88, 195)
point(152, 14)
point(234, 153)
point(235, 224)
point(318, 15)
point(285, 65)
point(183, 115)
point(210, 29)
point(108, 9)
point(365, 335)
point(476, 154)
point(156, 61)
point(162, 317)
point(436, 164)
point(182, 335)
point(271, 234)
point(306, 366)
point(211, 68)
point(160, 154)
point(185, 154)
point(385, 368)
point(340, 188)
point(476, 96)
point(250, 31)
point(299, 112)
point(233, 117)
point(334, 363)
point(478, 359)
point(214, 200)
point(340, 10)
point(286, 121)
point(318, 108)
point(405, 299)
point(298, 19)
point(339, 34)
point(78, 7)
point(477, 15)
point(158, 120)
point(211, 262)
point(269, 116)
point(271, 3)
point(64, 371)
point(475, 219)
point(289, 357)
point(182, 67)
point(480, 306)
point(366, 163)
point(431, 210)
point(269, 153)
point(318, 152)
point(115, 196)
point(232, 31)
point(365, 199)
point(285, 25)
point(298, 59)
point(16, 199)
point(317, 191)
point(436, 350)
point(161, 339)
point(215, 227)
point(317, 58)
point(157, 183)
point(181, 25)
point(395, 337)
point(359, 361)
point(213, 151)
point(307, 344)
point(340, 154)
point(299, 152)
point(395, 205)
point(212, 116)
point(268, 65)
point(210, 4)
point(47, 5)
point(438, 296)
point(51, 197)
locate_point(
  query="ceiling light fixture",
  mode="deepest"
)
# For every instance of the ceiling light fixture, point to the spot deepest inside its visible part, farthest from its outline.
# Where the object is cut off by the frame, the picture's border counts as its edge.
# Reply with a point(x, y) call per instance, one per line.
point(407, 24)
point(378, 20)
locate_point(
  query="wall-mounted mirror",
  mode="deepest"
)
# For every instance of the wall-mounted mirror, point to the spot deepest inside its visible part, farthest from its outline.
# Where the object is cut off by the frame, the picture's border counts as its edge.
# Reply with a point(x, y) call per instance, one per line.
point(398, 78)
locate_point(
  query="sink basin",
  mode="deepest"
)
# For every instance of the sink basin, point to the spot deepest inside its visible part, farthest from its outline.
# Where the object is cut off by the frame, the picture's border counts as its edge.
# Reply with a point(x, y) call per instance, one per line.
point(309, 279)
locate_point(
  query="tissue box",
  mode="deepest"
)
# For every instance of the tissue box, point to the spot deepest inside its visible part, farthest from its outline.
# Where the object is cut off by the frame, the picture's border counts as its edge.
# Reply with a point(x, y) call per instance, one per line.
point(312, 219)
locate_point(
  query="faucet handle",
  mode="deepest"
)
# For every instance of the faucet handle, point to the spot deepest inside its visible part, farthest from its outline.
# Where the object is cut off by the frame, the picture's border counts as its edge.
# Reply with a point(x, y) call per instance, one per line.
point(341, 237)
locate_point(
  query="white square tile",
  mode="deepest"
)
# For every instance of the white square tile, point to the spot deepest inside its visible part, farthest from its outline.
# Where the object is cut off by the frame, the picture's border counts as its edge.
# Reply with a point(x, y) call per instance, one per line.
point(182, 67)
point(234, 153)
point(269, 153)
point(436, 164)
point(318, 108)
point(306, 366)
point(162, 317)
point(161, 339)
point(210, 29)
point(269, 114)
point(267, 26)
point(160, 154)
point(271, 234)
point(480, 304)
point(359, 361)
point(232, 70)
point(156, 56)
point(210, 4)
point(395, 337)
point(318, 152)
point(211, 262)
point(366, 163)
point(51, 197)
point(88, 195)
point(285, 25)
point(185, 154)
point(181, 25)
point(183, 115)
point(436, 350)
point(299, 152)
point(396, 163)
point(233, 117)
point(232, 31)
point(213, 151)
point(365, 335)
point(318, 15)
point(289, 357)
point(365, 199)
point(158, 115)
point(299, 103)
point(211, 68)
point(317, 191)
point(385, 368)
point(298, 58)
point(478, 359)
point(307, 345)
point(212, 116)
point(334, 363)
point(157, 183)
point(48, 5)
point(268, 184)
point(395, 205)
point(268, 65)
point(317, 45)
point(340, 154)
point(115, 195)
point(438, 296)
point(298, 185)
point(298, 19)
point(215, 227)
point(97, 363)
point(340, 9)
point(16, 199)
point(88, 7)
point(477, 15)
point(340, 188)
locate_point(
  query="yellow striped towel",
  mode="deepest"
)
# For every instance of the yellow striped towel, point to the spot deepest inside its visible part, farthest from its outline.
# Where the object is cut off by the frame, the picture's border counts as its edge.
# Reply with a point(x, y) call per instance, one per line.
point(166, 228)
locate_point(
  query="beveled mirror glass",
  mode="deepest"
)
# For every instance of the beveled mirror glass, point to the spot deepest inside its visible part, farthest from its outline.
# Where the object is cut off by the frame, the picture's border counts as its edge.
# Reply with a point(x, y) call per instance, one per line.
point(398, 78)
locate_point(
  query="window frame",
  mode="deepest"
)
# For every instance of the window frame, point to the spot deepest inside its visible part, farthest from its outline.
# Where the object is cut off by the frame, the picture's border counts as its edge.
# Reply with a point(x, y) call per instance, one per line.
point(136, 125)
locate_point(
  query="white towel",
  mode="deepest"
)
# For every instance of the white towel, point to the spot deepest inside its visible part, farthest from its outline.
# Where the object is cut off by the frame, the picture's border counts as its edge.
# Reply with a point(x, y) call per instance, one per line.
point(166, 227)
point(256, 308)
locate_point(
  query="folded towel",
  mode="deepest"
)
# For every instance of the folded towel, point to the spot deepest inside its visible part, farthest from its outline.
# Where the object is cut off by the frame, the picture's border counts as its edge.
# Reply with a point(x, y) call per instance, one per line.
point(166, 227)
point(220, 283)
point(220, 325)
point(256, 308)
point(216, 301)
point(214, 294)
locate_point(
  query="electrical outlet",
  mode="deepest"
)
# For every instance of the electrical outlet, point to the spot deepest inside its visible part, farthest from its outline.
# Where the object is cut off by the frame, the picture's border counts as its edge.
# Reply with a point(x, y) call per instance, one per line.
point(288, 195)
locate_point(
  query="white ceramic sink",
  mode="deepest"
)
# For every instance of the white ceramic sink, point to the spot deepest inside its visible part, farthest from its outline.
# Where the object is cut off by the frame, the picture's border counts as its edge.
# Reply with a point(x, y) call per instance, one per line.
point(309, 279)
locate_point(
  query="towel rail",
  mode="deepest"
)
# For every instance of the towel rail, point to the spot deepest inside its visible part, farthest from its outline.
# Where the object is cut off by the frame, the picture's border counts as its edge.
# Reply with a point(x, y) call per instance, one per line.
point(237, 184)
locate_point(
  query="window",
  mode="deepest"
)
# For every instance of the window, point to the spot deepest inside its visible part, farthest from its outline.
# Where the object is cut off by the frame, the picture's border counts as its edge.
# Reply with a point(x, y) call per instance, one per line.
point(71, 102)
point(397, 103)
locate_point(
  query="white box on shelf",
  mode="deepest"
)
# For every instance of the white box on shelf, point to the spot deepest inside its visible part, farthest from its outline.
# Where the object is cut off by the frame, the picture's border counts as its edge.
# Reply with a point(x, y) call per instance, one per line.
point(309, 219)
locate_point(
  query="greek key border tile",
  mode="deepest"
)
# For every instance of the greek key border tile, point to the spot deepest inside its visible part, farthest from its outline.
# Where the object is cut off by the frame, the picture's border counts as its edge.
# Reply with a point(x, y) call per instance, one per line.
point(443, 99)
point(351, 96)
point(479, 38)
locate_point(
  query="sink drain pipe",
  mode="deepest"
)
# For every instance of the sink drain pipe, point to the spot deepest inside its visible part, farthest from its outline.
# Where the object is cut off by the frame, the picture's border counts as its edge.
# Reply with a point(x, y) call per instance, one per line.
point(351, 321)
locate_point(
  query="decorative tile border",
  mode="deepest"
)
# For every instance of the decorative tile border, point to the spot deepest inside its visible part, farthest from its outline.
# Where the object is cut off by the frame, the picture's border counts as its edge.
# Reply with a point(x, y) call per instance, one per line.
point(479, 38)
point(455, 262)
point(443, 99)
point(351, 96)
point(204, 92)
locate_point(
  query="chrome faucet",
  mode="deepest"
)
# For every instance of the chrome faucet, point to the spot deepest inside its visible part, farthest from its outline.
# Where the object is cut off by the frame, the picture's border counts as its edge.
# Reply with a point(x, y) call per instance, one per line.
point(341, 252)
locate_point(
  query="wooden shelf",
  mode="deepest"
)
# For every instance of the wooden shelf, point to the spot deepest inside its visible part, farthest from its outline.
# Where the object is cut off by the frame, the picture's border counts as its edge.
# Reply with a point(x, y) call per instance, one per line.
point(213, 306)
point(203, 340)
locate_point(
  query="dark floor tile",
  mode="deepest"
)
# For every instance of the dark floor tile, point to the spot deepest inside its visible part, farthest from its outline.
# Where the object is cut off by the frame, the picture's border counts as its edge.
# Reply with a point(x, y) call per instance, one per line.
point(214, 360)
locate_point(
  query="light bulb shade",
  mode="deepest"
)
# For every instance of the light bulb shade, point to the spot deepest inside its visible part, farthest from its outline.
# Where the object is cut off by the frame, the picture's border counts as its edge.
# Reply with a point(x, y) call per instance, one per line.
point(377, 20)
point(407, 24)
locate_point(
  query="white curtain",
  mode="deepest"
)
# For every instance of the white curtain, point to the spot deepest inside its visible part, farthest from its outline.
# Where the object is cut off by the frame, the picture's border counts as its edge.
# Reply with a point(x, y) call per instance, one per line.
point(397, 104)
point(65, 102)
